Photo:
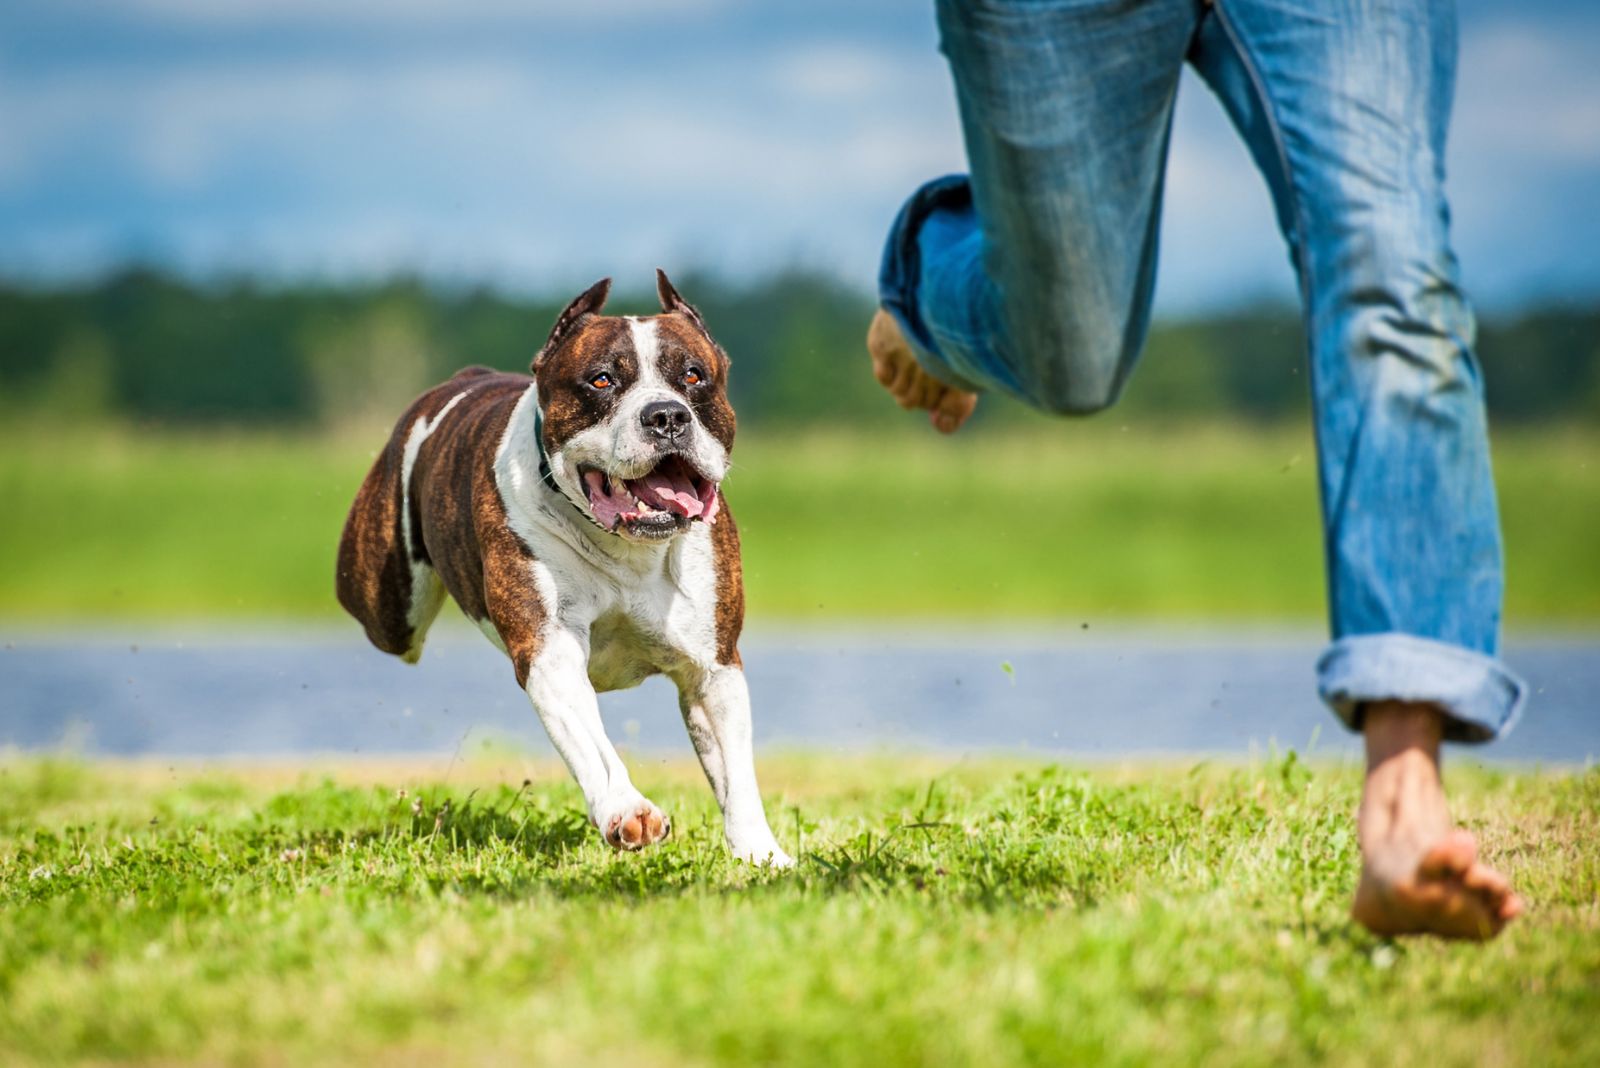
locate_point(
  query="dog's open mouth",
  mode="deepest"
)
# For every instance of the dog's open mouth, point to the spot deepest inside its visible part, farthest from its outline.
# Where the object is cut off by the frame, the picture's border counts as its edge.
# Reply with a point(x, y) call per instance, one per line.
point(665, 499)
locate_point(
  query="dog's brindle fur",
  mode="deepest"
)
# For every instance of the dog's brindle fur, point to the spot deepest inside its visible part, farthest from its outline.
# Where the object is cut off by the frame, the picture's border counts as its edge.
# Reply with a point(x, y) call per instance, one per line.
point(455, 503)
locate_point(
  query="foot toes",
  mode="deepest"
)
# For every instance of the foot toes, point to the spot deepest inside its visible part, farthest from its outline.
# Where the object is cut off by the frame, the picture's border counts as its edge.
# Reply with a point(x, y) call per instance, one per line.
point(905, 378)
point(898, 371)
point(1494, 891)
point(1448, 894)
point(1487, 884)
point(882, 369)
point(952, 408)
point(1451, 857)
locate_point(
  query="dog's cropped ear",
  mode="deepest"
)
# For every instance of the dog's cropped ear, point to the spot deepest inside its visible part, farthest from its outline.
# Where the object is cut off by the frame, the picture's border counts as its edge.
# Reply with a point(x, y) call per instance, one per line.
point(589, 302)
point(671, 301)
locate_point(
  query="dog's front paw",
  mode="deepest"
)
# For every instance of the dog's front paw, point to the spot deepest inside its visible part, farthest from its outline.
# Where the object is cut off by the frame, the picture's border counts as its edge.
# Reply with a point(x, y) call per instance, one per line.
point(763, 853)
point(633, 823)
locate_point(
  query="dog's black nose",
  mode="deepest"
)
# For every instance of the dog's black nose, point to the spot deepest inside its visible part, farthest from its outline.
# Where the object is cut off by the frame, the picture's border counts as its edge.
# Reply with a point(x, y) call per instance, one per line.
point(666, 419)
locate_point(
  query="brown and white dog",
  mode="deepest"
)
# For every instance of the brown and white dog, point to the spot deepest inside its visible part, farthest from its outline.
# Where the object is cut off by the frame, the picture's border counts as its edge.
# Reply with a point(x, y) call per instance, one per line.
point(576, 517)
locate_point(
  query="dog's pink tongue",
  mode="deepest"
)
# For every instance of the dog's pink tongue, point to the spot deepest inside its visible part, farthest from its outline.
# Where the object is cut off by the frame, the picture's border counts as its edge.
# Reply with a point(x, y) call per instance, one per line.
point(672, 488)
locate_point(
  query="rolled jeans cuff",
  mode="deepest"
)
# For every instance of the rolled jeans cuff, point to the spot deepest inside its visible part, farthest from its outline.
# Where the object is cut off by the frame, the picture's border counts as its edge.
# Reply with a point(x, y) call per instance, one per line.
point(1481, 698)
point(900, 273)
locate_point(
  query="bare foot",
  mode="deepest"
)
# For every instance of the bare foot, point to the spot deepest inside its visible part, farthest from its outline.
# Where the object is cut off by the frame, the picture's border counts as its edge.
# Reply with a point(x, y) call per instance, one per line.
point(912, 387)
point(1420, 874)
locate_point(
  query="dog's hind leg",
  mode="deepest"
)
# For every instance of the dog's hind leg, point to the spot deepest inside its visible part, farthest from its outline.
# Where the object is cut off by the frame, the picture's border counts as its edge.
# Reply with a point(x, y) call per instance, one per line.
point(381, 581)
point(385, 577)
point(422, 608)
point(374, 576)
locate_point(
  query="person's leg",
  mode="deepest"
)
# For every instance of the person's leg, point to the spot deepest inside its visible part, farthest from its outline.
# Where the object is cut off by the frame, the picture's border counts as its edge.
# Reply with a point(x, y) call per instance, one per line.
point(1034, 275)
point(1345, 108)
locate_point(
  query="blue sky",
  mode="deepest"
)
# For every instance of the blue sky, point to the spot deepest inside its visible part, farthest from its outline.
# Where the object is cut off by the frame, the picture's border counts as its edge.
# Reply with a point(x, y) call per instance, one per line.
point(535, 143)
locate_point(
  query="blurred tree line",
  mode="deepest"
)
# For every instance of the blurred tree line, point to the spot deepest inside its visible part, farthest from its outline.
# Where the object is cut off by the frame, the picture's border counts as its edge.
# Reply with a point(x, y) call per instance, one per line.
point(150, 347)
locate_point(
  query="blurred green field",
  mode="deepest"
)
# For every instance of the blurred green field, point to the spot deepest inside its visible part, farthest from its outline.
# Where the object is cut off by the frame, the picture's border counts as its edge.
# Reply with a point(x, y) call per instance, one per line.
point(1066, 521)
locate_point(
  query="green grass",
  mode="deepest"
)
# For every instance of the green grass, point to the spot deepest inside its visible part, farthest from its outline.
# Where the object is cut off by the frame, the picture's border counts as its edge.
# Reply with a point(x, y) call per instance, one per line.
point(1069, 521)
point(992, 913)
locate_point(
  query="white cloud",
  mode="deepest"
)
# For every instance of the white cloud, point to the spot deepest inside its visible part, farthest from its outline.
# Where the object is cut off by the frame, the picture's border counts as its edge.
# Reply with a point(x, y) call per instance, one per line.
point(463, 163)
point(465, 159)
point(257, 13)
point(177, 130)
point(182, 127)
point(840, 71)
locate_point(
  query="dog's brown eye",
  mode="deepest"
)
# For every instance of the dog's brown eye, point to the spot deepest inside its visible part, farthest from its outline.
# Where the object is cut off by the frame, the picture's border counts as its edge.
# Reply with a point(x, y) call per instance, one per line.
point(693, 377)
point(602, 381)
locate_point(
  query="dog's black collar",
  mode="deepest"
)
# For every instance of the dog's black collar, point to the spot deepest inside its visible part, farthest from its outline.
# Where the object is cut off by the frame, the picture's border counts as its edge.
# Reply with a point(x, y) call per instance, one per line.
point(538, 442)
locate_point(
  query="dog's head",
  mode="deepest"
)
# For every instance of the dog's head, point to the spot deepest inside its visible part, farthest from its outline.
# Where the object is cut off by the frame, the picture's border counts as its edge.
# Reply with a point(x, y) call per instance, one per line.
point(637, 424)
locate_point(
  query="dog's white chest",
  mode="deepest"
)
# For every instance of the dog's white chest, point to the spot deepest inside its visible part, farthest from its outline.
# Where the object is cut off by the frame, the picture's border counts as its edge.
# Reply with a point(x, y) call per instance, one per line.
point(662, 622)
point(622, 656)
point(653, 612)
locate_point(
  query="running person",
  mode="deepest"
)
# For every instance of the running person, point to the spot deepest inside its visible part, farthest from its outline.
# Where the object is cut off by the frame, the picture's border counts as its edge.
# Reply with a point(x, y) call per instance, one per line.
point(1033, 276)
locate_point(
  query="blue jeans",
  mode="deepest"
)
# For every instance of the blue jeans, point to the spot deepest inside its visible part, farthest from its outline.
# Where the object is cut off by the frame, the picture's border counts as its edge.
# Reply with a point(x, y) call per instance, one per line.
point(1033, 276)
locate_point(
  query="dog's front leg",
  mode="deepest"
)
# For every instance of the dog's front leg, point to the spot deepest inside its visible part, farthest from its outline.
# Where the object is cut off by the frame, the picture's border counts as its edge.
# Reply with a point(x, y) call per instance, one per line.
point(716, 709)
point(558, 685)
